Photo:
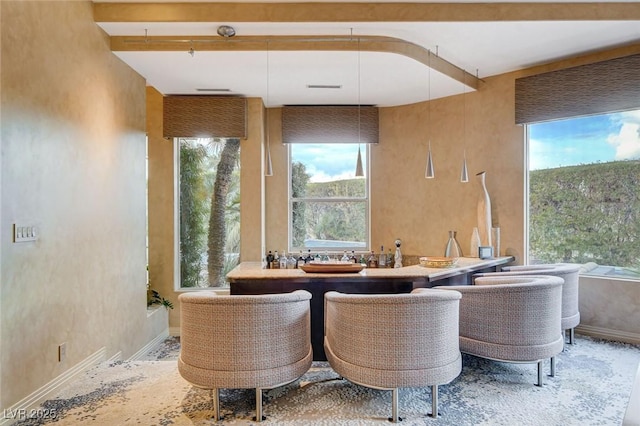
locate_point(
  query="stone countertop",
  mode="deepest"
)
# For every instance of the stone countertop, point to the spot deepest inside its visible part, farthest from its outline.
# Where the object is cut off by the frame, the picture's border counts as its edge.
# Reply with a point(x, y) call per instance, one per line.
point(254, 271)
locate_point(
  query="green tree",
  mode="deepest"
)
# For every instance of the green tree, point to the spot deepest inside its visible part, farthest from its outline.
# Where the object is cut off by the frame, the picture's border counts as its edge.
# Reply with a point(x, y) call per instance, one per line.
point(299, 181)
point(587, 213)
point(193, 211)
point(217, 236)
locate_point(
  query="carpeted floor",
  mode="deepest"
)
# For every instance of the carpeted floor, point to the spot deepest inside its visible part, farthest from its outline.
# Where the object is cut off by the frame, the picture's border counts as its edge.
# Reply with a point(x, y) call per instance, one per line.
point(591, 387)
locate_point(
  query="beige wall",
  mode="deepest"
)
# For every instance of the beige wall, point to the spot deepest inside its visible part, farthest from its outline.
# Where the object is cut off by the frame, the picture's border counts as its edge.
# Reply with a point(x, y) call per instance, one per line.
point(610, 308)
point(73, 164)
point(404, 204)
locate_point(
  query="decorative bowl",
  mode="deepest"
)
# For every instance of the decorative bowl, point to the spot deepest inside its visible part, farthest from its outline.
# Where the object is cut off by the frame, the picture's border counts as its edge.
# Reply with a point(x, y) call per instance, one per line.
point(437, 262)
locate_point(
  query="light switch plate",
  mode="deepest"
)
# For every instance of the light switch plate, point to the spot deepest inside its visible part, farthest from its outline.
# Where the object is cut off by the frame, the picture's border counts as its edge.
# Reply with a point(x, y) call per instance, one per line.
point(24, 233)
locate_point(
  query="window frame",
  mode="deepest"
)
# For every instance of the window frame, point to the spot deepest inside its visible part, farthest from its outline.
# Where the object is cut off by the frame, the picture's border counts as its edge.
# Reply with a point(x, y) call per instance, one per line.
point(366, 199)
point(177, 278)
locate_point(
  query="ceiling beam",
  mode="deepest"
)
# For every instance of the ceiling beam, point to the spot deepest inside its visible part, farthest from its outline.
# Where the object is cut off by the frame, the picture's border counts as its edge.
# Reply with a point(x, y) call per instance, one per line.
point(364, 12)
point(295, 43)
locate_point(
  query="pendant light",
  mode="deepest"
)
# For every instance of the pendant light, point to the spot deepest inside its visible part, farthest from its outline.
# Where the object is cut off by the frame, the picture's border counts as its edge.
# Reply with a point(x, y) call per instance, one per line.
point(268, 166)
point(464, 174)
point(359, 170)
point(429, 172)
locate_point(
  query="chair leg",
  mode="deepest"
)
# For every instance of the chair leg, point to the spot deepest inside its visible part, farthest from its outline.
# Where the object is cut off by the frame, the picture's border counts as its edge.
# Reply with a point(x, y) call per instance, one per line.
point(571, 336)
point(553, 366)
point(539, 373)
point(394, 406)
point(259, 417)
point(215, 395)
point(434, 401)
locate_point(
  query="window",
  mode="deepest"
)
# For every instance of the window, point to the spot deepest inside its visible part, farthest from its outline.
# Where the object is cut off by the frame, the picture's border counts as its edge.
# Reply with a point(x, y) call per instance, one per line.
point(209, 175)
point(328, 204)
point(584, 196)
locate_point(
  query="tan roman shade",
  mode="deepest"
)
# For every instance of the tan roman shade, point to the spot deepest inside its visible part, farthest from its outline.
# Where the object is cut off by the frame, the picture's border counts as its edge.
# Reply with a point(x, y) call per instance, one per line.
point(204, 116)
point(329, 124)
point(597, 88)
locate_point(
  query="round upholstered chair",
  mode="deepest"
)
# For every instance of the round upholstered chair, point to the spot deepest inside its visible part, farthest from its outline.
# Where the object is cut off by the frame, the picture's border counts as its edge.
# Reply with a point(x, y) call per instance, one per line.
point(390, 341)
point(512, 319)
point(260, 342)
point(570, 300)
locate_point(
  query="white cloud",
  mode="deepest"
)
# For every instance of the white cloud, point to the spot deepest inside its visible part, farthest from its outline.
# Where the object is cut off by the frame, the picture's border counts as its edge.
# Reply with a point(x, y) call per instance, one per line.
point(323, 177)
point(627, 140)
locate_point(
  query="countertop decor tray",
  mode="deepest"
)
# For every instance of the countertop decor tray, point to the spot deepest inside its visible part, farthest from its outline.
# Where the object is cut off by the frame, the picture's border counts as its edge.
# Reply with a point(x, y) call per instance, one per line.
point(332, 267)
point(437, 262)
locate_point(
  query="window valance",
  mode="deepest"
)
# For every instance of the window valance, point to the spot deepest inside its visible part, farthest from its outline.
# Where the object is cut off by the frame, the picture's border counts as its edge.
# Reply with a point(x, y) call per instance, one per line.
point(204, 116)
point(601, 87)
point(330, 124)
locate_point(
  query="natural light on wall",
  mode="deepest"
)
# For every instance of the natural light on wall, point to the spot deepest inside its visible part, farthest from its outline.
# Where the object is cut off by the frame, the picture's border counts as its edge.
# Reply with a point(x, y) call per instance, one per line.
point(584, 201)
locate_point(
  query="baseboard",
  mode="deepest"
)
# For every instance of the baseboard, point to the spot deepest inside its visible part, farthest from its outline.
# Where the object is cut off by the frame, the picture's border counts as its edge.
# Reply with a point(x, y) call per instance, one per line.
point(174, 331)
point(608, 334)
point(146, 348)
point(30, 402)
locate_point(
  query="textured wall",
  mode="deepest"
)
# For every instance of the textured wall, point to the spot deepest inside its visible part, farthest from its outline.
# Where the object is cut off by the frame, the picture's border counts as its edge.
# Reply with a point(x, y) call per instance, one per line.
point(404, 204)
point(73, 164)
point(610, 307)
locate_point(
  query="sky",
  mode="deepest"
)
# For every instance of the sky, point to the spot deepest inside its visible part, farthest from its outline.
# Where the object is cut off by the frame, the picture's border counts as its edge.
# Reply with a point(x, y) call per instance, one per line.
point(585, 140)
point(338, 162)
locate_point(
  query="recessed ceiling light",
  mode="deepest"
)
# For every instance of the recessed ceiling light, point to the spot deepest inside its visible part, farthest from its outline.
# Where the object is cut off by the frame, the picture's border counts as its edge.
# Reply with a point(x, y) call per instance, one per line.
point(324, 86)
point(213, 90)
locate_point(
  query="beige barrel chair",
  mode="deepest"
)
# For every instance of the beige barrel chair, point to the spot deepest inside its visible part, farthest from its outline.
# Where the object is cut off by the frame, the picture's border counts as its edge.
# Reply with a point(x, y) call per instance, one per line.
point(570, 302)
point(512, 319)
point(390, 341)
point(244, 342)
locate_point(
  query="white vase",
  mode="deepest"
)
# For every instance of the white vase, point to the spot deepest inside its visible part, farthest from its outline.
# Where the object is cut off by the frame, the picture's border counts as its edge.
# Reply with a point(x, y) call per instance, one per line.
point(495, 235)
point(475, 243)
point(484, 212)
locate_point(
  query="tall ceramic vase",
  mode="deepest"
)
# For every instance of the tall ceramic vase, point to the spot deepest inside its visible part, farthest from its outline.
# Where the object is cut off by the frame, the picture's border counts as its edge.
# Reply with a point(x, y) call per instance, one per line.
point(484, 212)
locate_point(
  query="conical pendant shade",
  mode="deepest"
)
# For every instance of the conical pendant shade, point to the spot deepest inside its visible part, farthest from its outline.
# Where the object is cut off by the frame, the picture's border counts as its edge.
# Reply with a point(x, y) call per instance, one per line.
point(429, 173)
point(359, 171)
point(464, 175)
point(269, 167)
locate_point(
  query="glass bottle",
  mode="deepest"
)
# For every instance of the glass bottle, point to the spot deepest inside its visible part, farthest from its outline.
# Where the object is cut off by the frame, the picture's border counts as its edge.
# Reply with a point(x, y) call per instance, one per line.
point(309, 258)
point(345, 257)
point(276, 261)
point(382, 263)
point(283, 260)
point(292, 262)
point(453, 249)
point(269, 259)
point(301, 260)
point(353, 258)
point(373, 261)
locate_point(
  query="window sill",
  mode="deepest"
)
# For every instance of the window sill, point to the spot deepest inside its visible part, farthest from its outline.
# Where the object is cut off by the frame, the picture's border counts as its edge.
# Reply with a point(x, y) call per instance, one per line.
point(608, 272)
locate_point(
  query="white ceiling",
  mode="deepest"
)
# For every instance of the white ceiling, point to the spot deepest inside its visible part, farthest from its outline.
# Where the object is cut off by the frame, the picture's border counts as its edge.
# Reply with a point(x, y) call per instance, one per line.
point(374, 78)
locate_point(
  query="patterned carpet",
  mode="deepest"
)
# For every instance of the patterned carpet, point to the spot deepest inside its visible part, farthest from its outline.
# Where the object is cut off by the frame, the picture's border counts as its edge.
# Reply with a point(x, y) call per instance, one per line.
point(591, 387)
